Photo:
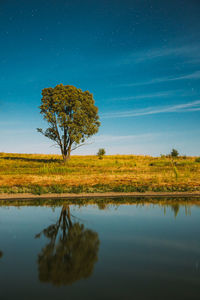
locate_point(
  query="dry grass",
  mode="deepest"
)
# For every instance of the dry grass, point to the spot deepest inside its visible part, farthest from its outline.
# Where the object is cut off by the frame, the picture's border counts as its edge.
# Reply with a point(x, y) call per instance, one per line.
point(22, 172)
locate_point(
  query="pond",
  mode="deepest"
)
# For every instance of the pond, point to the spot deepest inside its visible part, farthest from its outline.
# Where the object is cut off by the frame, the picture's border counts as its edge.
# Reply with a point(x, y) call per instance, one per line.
point(136, 249)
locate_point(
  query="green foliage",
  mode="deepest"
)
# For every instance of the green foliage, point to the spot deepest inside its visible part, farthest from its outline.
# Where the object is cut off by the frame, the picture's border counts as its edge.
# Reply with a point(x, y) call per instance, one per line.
point(101, 153)
point(174, 153)
point(197, 160)
point(71, 115)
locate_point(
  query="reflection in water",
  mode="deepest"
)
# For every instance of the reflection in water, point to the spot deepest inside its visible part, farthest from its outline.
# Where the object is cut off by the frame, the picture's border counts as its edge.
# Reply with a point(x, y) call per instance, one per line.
point(143, 252)
point(71, 252)
point(175, 207)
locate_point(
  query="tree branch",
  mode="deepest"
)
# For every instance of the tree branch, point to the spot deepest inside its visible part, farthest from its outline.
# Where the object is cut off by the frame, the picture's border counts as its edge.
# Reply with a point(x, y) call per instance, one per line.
point(80, 145)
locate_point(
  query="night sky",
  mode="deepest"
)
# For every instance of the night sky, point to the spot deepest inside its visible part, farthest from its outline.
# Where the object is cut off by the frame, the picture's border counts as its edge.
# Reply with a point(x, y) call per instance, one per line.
point(140, 59)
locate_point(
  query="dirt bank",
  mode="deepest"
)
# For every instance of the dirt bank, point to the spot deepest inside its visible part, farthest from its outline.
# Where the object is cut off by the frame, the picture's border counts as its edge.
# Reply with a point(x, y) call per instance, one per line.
point(92, 195)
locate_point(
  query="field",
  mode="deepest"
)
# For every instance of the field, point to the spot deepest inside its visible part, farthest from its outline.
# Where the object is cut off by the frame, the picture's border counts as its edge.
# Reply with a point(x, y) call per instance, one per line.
point(39, 174)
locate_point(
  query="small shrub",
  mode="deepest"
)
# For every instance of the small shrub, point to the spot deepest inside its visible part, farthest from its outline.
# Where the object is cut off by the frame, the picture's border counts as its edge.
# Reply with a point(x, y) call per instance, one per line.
point(56, 189)
point(101, 153)
point(197, 160)
point(174, 153)
point(38, 190)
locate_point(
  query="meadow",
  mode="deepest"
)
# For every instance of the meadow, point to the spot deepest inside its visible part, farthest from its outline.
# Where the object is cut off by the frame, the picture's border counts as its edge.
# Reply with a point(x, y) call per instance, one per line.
point(40, 174)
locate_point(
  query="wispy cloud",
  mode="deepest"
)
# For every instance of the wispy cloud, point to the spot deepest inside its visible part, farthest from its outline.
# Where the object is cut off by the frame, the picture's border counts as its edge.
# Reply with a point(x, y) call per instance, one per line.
point(122, 138)
point(184, 107)
point(191, 51)
point(9, 123)
point(194, 109)
point(145, 96)
point(16, 131)
point(194, 75)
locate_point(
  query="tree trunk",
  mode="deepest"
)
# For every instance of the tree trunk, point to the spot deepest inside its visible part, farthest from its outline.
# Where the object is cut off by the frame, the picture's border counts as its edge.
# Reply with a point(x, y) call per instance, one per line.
point(66, 155)
point(65, 158)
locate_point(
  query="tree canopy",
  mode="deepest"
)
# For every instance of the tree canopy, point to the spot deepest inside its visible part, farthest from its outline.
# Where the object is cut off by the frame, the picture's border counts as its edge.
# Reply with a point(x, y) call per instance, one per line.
point(71, 115)
point(71, 253)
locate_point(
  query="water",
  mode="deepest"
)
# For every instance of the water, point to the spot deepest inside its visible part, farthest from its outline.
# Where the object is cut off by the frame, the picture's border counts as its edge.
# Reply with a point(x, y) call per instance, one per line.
point(148, 251)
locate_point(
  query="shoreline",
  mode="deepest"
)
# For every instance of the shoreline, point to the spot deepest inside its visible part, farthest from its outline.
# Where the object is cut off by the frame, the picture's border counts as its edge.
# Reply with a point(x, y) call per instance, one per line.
point(27, 196)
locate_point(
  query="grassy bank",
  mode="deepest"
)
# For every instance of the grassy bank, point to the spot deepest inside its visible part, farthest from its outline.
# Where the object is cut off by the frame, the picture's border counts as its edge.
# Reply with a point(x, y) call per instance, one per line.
point(39, 174)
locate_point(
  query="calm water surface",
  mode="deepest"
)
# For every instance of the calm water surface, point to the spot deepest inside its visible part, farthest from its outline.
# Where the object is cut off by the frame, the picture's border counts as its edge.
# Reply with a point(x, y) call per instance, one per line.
point(148, 251)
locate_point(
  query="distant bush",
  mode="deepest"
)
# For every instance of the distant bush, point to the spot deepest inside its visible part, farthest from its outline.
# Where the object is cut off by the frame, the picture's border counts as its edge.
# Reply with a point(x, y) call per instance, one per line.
point(197, 160)
point(101, 153)
point(174, 153)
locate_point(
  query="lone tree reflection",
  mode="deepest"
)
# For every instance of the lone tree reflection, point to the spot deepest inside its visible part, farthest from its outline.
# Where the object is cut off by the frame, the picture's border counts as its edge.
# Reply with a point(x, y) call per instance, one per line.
point(1, 254)
point(71, 253)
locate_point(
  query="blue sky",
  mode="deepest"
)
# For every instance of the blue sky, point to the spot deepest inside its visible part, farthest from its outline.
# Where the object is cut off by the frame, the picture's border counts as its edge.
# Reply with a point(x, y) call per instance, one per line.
point(140, 59)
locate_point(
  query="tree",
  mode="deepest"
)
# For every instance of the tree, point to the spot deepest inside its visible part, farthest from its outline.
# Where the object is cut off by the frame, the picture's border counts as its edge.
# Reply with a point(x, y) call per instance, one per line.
point(101, 153)
point(174, 153)
point(71, 115)
point(71, 252)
